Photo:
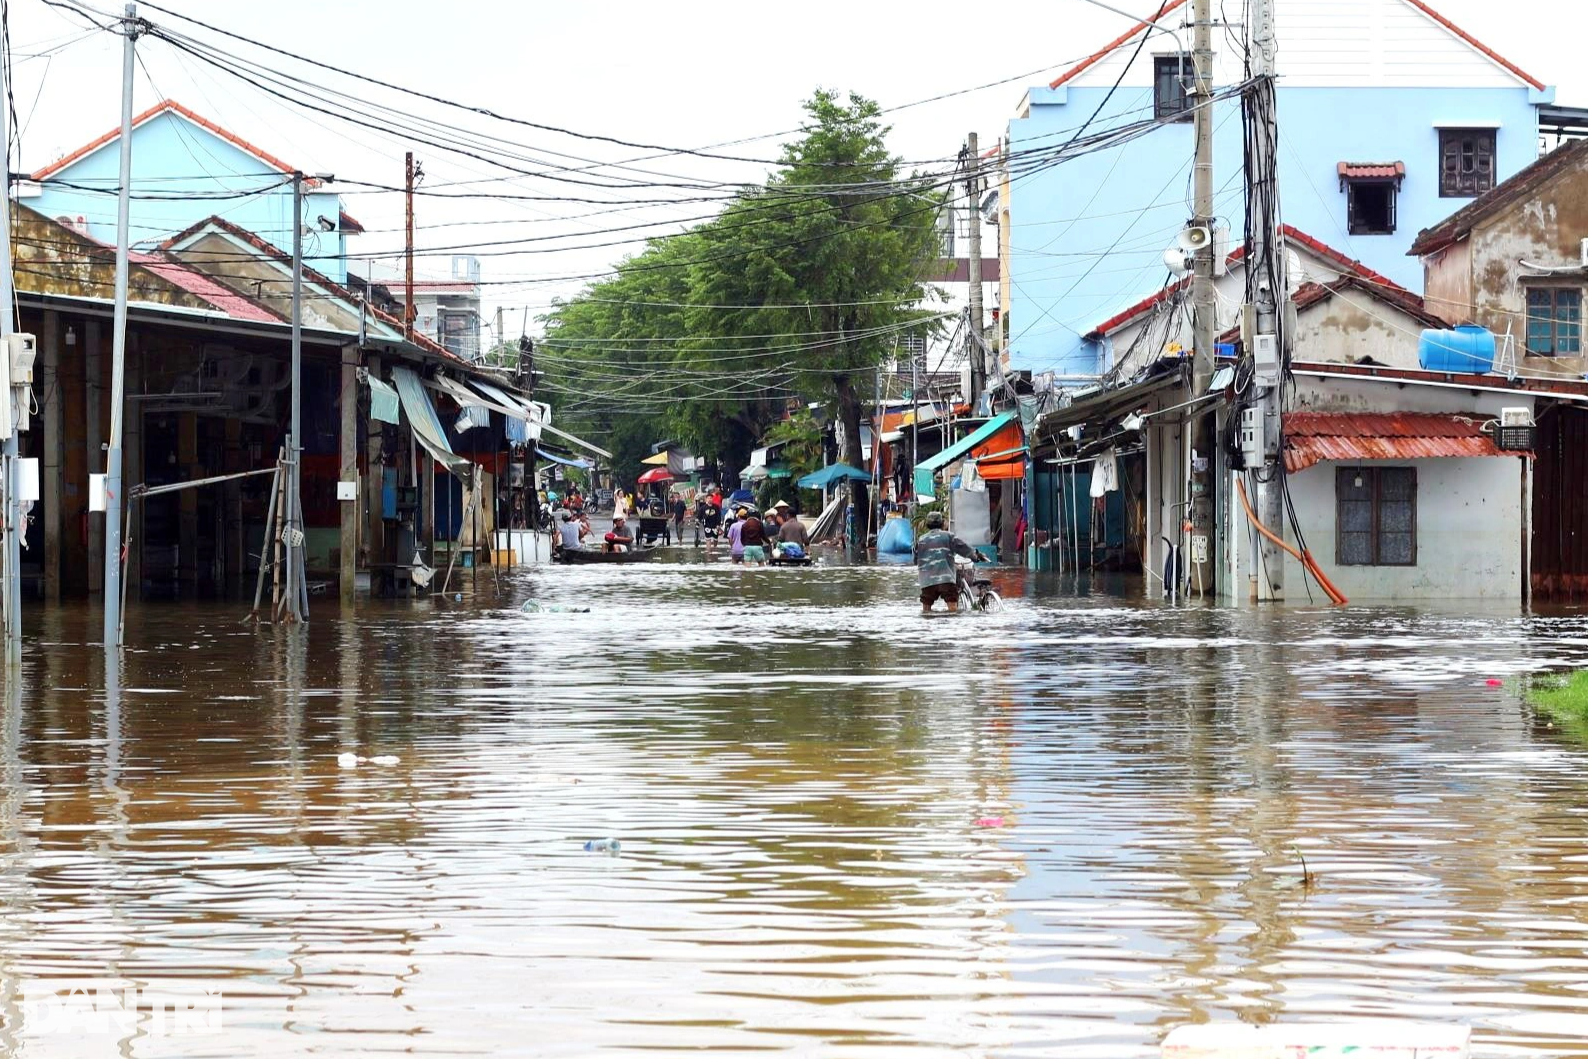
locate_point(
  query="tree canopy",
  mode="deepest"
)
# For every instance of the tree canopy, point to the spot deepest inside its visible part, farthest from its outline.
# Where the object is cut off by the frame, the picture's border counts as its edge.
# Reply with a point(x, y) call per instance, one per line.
point(796, 292)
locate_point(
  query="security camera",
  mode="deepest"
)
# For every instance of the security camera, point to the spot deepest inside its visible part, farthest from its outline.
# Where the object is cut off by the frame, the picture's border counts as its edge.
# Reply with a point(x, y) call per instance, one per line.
point(1177, 260)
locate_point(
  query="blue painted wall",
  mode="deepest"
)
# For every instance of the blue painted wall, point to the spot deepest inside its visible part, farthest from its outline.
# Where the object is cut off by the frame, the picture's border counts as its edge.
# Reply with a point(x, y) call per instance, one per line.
point(178, 161)
point(1087, 237)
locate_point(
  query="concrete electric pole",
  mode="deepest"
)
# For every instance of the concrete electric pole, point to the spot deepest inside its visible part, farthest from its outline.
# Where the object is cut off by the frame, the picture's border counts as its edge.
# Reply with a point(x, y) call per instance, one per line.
point(1265, 328)
point(1204, 303)
point(973, 347)
point(118, 349)
point(13, 409)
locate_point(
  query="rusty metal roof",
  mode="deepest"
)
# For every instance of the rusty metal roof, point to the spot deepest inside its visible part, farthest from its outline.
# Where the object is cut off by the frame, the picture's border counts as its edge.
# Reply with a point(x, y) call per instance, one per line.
point(1311, 437)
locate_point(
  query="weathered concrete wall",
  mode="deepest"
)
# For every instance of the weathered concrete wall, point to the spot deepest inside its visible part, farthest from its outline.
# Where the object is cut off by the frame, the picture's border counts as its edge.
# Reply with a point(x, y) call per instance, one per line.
point(52, 259)
point(1469, 532)
point(1447, 283)
point(1545, 228)
point(1351, 325)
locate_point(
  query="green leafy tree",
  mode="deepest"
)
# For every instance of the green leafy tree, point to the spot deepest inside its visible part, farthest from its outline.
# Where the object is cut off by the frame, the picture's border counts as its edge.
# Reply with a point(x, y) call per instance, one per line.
point(798, 290)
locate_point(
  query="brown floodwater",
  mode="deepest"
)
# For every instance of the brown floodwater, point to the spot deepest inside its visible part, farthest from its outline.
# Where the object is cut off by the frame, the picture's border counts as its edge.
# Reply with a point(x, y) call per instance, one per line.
point(1060, 830)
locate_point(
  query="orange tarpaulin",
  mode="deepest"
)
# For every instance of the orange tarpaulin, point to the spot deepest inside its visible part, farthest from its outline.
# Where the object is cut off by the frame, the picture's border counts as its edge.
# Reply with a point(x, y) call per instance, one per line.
point(1003, 455)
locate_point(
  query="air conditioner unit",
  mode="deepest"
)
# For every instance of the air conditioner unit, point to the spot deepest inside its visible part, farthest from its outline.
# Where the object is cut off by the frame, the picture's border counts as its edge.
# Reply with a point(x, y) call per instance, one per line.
point(1515, 417)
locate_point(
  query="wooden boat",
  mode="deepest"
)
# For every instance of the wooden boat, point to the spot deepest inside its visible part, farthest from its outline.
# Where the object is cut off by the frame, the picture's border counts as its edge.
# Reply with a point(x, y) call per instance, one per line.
point(577, 556)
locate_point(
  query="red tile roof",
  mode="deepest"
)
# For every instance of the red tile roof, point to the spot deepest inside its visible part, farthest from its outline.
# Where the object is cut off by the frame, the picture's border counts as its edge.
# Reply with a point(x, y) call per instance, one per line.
point(1346, 265)
point(314, 276)
point(349, 223)
point(191, 280)
point(1118, 42)
point(1311, 437)
point(1476, 43)
point(172, 106)
point(1371, 170)
point(1125, 38)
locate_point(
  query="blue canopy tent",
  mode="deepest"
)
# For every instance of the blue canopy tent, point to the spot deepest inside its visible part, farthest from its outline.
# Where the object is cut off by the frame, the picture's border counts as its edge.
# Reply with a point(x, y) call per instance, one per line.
point(832, 474)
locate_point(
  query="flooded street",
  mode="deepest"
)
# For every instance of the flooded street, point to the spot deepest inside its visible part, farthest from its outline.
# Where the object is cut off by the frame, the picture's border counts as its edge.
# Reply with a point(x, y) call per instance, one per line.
point(1060, 830)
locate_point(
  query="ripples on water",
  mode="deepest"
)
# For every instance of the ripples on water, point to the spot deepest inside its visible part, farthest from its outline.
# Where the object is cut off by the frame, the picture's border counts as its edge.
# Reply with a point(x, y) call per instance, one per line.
point(796, 765)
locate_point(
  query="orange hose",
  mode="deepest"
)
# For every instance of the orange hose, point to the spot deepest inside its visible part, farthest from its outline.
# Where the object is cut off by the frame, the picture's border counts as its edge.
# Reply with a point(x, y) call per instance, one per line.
point(1308, 563)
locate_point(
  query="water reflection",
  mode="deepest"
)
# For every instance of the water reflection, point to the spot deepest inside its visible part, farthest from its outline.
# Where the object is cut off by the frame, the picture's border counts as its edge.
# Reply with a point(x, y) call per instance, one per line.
point(1059, 830)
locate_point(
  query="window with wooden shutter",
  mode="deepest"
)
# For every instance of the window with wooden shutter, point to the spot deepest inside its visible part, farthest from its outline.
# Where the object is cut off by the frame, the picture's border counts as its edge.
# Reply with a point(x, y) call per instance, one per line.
point(1466, 162)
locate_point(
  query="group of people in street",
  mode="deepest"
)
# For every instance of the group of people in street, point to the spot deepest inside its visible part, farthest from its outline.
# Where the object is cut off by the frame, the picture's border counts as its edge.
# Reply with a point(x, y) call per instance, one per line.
point(753, 537)
point(756, 538)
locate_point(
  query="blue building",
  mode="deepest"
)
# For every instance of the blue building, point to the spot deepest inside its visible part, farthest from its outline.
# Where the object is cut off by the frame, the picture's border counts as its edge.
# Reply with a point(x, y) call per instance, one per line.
point(1390, 118)
point(186, 168)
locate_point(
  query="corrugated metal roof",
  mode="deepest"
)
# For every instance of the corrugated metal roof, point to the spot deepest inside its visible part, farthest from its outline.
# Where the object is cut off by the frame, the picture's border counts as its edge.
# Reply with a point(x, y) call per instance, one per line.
point(1311, 437)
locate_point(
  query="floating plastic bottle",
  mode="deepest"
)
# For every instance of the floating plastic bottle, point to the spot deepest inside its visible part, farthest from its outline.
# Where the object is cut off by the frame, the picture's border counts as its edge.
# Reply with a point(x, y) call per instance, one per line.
point(603, 845)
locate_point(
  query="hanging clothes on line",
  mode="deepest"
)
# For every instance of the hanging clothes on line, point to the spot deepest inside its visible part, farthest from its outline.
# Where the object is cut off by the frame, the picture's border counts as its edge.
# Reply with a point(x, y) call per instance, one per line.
point(1105, 473)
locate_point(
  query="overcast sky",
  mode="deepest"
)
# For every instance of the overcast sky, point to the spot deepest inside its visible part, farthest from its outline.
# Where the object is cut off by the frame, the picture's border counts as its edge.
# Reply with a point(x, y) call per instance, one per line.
point(684, 75)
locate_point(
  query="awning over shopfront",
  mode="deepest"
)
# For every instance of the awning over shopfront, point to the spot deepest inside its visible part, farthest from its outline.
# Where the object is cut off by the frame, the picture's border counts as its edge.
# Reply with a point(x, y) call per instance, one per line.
point(1100, 407)
point(577, 441)
point(426, 426)
point(754, 473)
point(566, 461)
point(1312, 437)
point(1002, 456)
point(976, 437)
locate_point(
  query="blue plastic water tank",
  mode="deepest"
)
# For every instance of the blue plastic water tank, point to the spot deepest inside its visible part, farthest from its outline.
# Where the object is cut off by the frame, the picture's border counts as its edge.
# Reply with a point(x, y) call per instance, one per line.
point(1468, 349)
point(897, 536)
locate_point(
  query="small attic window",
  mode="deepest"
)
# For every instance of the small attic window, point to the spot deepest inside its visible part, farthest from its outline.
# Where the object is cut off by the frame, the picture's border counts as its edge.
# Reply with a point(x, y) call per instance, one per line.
point(1370, 192)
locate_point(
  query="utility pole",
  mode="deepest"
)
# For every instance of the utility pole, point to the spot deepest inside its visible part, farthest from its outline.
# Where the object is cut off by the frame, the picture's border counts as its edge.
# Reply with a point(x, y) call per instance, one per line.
point(293, 522)
point(1204, 302)
point(13, 397)
point(1265, 319)
point(118, 348)
point(526, 380)
point(408, 255)
point(973, 350)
